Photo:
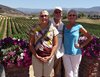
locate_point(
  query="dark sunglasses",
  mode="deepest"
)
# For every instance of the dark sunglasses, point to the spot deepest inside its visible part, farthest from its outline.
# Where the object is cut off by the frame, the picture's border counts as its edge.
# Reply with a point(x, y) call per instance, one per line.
point(43, 15)
point(72, 15)
point(57, 12)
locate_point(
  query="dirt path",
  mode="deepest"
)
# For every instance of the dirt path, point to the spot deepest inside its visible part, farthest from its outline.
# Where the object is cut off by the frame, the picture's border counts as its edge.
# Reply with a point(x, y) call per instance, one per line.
point(31, 71)
point(5, 30)
point(1, 26)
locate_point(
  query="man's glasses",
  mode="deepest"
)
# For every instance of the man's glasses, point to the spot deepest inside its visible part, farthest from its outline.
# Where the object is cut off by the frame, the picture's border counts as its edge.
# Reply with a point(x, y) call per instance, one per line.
point(43, 16)
point(57, 12)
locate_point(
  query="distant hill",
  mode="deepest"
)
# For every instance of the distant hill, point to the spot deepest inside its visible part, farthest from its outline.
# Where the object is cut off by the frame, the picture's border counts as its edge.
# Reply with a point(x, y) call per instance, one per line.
point(24, 11)
point(8, 10)
point(92, 9)
point(34, 11)
point(29, 11)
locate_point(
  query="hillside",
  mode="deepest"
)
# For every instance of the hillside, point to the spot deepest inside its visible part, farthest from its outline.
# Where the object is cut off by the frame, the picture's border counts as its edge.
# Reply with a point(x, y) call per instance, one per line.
point(5, 10)
point(95, 9)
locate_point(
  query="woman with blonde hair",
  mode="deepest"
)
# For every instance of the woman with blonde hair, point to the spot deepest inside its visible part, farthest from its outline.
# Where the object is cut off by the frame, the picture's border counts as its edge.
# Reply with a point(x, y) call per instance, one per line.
point(43, 44)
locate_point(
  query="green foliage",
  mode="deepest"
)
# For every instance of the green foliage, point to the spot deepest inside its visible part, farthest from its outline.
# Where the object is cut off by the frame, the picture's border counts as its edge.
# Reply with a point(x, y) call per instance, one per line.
point(21, 36)
point(80, 15)
point(64, 16)
point(18, 27)
point(94, 29)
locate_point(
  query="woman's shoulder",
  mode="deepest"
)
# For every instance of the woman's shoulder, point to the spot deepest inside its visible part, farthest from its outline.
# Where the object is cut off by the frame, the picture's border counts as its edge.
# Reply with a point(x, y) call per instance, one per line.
point(34, 28)
point(52, 26)
point(79, 25)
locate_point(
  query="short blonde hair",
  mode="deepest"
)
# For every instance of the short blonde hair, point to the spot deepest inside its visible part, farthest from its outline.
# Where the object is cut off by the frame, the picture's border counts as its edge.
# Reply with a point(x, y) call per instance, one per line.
point(44, 12)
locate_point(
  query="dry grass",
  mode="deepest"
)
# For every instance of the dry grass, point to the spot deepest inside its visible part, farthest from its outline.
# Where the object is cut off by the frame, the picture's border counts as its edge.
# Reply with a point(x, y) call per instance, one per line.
point(91, 21)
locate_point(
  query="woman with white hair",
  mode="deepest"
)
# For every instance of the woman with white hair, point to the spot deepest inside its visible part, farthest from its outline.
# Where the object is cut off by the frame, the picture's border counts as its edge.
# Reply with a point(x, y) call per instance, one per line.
point(72, 48)
point(43, 44)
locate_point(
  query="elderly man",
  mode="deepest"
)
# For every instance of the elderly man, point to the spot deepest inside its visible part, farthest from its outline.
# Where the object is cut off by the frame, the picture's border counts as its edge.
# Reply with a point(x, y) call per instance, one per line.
point(57, 21)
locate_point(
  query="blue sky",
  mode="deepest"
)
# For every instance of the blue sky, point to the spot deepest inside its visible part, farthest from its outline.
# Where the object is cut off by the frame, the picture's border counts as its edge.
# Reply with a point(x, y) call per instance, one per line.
point(49, 4)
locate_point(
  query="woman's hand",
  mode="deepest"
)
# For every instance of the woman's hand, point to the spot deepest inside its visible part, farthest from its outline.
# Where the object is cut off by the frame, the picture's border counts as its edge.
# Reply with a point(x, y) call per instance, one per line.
point(47, 58)
point(78, 45)
point(39, 58)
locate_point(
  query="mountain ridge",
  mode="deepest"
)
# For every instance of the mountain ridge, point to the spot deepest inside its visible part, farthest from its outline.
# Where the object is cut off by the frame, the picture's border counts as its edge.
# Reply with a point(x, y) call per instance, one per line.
point(23, 11)
point(92, 9)
point(8, 10)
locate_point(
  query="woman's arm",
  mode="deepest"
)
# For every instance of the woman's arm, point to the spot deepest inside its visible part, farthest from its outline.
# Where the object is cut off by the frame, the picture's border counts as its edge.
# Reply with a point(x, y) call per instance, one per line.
point(55, 45)
point(85, 33)
point(31, 43)
point(32, 49)
point(54, 48)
